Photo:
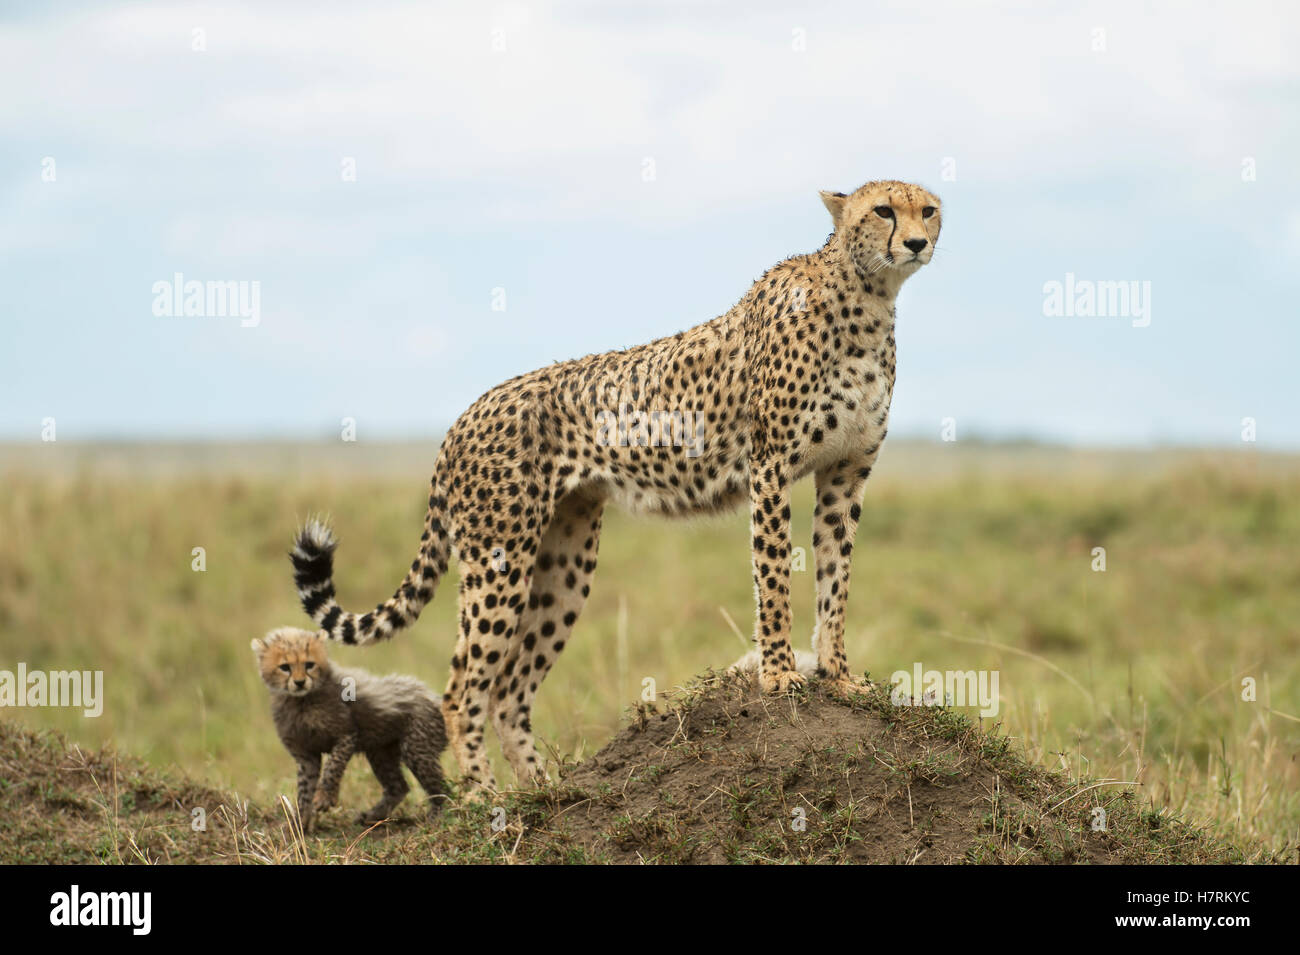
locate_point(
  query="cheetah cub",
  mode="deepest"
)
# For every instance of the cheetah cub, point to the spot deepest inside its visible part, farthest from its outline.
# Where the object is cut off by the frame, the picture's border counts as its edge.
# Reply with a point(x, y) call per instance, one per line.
point(319, 709)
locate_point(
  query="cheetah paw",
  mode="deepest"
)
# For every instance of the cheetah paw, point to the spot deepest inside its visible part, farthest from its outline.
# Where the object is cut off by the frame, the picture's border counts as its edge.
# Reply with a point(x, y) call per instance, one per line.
point(477, 793)
point(323, 802)
point(539, 778)
point(847, 687)
point(782, 681)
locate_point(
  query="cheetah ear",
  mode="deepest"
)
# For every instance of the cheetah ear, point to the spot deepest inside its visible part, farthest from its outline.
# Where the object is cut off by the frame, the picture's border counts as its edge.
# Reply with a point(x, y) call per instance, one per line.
point(264, 643)
point(834, 202)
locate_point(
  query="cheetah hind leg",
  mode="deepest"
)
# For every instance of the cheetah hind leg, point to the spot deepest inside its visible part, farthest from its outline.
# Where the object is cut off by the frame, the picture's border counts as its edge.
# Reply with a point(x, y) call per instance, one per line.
point(421, 751)
point(491, 604)
point(561, 581)
point(387, 765)
point(474, 788)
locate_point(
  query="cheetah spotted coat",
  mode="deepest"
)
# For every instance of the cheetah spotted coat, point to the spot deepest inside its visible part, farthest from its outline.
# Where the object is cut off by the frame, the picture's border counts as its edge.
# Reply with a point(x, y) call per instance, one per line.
point(795, 379)
point(336, 712)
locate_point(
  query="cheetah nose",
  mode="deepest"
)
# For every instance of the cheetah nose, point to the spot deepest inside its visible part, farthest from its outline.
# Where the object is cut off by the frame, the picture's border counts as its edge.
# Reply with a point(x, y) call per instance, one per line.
point(916, 245)
point(299, 683)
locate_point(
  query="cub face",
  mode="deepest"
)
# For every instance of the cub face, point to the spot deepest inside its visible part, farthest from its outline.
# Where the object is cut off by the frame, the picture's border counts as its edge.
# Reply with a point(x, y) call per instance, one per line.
point(292, 661)
point(886, 225)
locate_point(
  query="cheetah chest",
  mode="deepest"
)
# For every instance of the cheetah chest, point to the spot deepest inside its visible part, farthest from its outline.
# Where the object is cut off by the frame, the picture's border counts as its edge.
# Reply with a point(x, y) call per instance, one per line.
point(855, 413)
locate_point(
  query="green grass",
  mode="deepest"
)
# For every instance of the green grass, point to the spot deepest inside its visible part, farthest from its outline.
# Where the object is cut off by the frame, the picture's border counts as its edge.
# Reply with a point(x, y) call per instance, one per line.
point(966, 559)
point(714, 772)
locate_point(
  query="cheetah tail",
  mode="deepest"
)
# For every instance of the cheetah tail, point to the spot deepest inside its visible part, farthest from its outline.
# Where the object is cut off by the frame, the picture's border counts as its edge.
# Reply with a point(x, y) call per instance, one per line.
point(313, 574)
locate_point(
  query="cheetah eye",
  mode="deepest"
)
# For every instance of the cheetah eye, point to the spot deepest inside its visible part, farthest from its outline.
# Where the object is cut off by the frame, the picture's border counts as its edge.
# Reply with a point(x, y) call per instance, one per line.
point(928, 211)
point(308, 665)
point(885, 212)
point(285, 667)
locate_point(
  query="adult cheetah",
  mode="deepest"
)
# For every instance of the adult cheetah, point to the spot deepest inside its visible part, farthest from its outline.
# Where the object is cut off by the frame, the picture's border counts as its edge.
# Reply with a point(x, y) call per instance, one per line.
point(795, 379)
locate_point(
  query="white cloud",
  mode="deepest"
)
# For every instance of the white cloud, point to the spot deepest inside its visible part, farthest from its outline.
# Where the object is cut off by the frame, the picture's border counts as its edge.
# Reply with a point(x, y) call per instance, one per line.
point(478, 167)
point(715, 94)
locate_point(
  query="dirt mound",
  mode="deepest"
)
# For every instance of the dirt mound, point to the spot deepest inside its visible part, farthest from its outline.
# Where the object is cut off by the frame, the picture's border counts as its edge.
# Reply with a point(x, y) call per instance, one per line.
point(714, 773)
point(725, 775)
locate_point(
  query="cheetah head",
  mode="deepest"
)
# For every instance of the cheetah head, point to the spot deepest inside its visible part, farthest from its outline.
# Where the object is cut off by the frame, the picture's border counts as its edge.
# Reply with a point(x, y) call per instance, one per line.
point(886, 225)
point(292, 661)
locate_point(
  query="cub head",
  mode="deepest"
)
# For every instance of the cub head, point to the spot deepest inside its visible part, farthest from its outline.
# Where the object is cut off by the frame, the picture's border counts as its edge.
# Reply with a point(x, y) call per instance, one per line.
point(292, 661)
point(886, 226)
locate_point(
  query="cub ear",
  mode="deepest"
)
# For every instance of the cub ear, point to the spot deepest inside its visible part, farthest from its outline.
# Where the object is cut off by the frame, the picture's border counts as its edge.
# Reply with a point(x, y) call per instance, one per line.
point(266, 642)
point(834, 202)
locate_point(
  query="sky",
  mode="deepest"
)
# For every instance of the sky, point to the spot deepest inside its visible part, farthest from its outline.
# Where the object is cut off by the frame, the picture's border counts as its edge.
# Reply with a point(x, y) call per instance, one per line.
point(427, 199)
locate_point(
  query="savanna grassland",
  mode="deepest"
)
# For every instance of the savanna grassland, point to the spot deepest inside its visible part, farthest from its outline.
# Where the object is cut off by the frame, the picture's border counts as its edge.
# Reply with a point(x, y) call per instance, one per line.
point(969, 557)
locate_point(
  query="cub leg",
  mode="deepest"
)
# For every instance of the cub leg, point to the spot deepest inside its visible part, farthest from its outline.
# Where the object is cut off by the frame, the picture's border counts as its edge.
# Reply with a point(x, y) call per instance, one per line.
point(308, 774)
point(387, 764)
point(421, 752)
point(327, 795)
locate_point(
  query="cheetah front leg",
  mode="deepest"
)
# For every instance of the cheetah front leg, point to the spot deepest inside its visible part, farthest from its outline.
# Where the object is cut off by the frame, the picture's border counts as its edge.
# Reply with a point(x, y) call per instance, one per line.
point(327, 793)
point(835, 524)
point(308, 774)
point(769, 522)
